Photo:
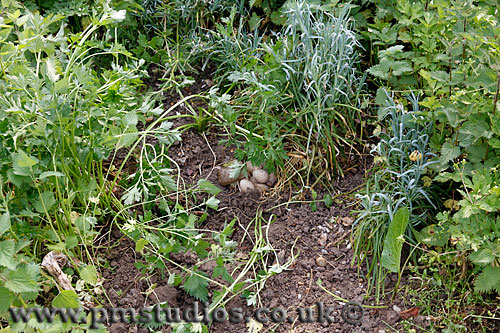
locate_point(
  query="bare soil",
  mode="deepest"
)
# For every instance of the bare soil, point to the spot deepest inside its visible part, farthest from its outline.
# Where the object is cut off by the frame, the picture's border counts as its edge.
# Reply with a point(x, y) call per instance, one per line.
point(323, 233)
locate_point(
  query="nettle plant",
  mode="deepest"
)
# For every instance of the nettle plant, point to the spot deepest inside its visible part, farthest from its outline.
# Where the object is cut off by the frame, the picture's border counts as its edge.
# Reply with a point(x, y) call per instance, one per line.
point(472, 224)
point(60, 117)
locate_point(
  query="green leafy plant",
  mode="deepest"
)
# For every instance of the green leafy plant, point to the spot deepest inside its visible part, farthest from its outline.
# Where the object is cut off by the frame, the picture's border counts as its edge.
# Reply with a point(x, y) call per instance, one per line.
point(61, 116)
point(474, 228)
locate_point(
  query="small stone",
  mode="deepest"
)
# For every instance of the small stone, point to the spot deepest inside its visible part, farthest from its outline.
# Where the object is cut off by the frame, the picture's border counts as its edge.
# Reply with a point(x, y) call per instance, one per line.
point(224, 176)
point(322, 239)
point(320, 261)
point(347, 221)
point(261, 187)
point(272, 179)
point(396, 308)
point(250, 167)
point(392, 317)
point(246, 186)
point(260, 176)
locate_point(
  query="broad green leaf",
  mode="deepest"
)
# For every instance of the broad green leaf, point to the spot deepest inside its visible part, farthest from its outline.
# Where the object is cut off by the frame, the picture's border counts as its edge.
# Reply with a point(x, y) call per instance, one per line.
point(85, 223)
point(4, 223)
point(59, 247)
point(140, 244)
point(5, 299)
point(381, 97)
point(130, 119)
point(328, 201)
point(197, 286)
point(89, 274)
point(393, 243)
point(400, 67)
point(213, 203)
point(254, 21)
point(22, 280)
point(278, 18)
point(440, 76)
point(453, 115)
point(448, 153)
point(484, 256)
point(24, 160)
point(66, 299)
point(126, 139)
point(7, 251)
point(472, 130)
point(433, 235)
point(46, 200)
point(392, 52)
point(71, 242)
point(207, 186)
point(380, 70)
point(62, 86)
point(488, 280)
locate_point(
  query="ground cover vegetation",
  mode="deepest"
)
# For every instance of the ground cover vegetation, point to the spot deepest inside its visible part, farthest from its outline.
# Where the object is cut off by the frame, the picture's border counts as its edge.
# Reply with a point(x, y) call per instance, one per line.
point(96, 97)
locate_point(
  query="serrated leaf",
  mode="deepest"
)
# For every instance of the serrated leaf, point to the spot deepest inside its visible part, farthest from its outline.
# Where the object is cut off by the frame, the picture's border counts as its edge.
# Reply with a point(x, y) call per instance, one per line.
point(488, 280)
point(278, 18)
point(51, 70)
point(448, 152)
point(472, 130)
point(484, 256)
point(197, 286)
point(66, 299)
point(5, 299)
point(400, 67)
point(132, 195)
point(391, 254)
point(4, 223)
point(89, 274)
point(207, 186)
point(24, 160)
point(130, 119)
point(381, 97)
point(7, 251)
point(22, 280)
point(380, 70)
point(46, 200)
point(222, 271)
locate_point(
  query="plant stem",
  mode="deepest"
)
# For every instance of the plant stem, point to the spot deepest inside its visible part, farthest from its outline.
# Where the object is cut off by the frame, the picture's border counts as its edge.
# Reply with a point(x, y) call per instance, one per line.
point(495, 101)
